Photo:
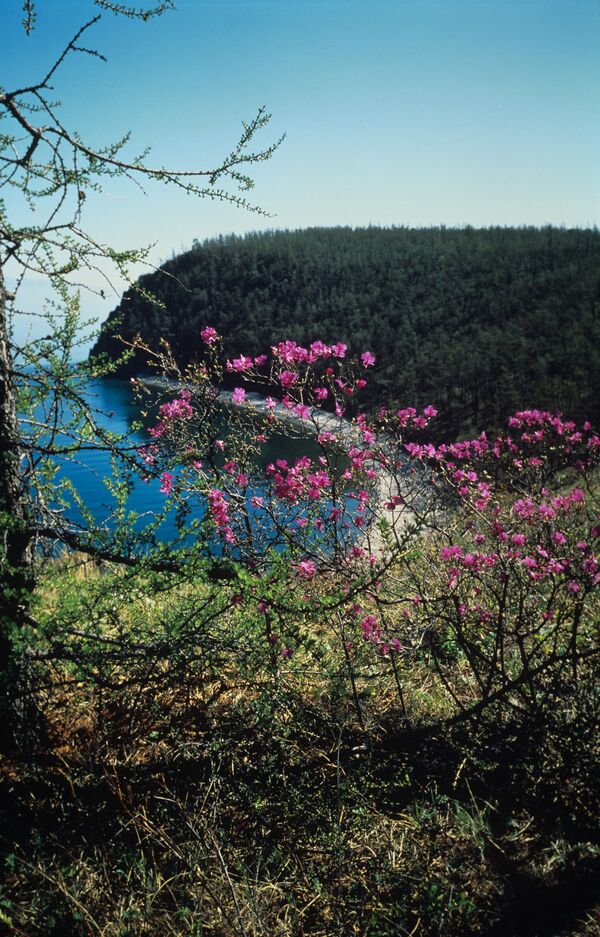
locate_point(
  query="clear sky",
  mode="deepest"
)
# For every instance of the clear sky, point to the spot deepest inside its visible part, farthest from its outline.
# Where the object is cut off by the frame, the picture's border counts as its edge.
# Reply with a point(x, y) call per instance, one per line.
point(405, 112)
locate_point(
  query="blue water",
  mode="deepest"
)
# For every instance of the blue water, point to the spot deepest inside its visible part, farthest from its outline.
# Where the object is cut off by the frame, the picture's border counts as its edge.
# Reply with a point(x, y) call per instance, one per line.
point(116, 410)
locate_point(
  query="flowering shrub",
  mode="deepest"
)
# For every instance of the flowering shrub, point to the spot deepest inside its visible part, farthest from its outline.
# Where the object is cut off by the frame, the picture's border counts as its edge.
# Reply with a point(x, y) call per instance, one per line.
point(478, 558)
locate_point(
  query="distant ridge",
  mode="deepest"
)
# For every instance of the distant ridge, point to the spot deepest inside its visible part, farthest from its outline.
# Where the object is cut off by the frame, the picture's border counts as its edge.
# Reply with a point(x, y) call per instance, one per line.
point(480, 322)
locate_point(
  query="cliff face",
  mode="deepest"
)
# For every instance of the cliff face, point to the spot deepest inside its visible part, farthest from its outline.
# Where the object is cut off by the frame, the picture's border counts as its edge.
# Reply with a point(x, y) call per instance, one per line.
point(480, 322)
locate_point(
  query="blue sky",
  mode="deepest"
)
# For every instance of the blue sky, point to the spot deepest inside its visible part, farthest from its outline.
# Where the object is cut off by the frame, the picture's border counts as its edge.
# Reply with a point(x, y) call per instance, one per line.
point(411, 112)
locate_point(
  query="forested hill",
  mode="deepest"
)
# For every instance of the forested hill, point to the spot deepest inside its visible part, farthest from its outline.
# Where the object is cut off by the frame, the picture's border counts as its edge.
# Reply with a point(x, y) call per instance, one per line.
point(478, 321)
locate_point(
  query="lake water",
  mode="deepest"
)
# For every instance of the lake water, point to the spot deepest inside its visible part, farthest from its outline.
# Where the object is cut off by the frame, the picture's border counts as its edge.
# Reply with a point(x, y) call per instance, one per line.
point(116, 411)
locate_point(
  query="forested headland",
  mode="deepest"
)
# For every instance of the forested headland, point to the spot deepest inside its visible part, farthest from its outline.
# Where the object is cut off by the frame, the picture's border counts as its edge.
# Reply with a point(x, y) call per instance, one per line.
point(481, 322)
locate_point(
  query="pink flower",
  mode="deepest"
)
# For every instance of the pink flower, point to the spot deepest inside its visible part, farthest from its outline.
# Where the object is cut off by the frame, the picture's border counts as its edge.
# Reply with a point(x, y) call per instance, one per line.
point(305, 569)
point(166, 483)
point(319, 350)
point(288, 378)
point(339, 350)
point(243, 363)
point(450, 553)
point(320, 393)
point(367, 359)
point(209, 335)
point(219, 511)
point(290, 352)
point(302, 411)
point(238, 395)
point(260, 360)
point(370, 628)
point(148, 454)
point(177, 409)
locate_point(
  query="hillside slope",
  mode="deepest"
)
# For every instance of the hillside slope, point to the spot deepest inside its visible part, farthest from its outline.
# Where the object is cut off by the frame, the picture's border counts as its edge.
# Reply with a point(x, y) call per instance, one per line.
point(478, 321)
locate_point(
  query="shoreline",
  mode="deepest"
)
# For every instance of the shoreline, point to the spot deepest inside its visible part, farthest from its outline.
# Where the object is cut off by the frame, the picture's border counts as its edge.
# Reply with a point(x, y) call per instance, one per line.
point(318, 421)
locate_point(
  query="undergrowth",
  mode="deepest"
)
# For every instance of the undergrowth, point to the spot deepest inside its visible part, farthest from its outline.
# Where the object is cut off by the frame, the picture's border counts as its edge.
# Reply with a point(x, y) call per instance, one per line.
point(255, 801)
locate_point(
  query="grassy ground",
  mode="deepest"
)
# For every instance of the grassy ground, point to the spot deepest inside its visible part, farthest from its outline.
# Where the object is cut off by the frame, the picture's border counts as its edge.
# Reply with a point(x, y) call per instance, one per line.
point(255, 801)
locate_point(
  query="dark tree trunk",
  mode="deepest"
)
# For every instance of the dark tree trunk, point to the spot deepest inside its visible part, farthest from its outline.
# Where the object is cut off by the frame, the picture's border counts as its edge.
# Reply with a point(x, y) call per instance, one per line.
point(17, 706)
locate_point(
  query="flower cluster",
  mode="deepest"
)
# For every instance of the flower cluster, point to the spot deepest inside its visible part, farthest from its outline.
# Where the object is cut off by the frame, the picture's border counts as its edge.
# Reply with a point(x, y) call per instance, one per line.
point(299, 481)
point(371, 629)
point(219, 509)
point(179, 408)
point(511, 552)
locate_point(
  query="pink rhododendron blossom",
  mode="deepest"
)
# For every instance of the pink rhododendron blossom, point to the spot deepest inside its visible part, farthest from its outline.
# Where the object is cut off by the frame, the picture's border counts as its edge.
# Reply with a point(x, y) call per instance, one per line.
point(219, 511)
point(368, 359)
point(177, 409)
point(238, 396)
point(288, 378)
point(166, 483)
point(148, 454)
point(339, 350)
point(243, 363)
point(305, 569)
point(290, 352)
point(406, 415)
point(450, 553)
point(369, 625)
point(209, 335)
point(319, 350)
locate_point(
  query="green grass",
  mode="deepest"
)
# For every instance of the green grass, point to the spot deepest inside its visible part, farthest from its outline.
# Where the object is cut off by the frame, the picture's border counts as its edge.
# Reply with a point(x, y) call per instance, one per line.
point(220, 792)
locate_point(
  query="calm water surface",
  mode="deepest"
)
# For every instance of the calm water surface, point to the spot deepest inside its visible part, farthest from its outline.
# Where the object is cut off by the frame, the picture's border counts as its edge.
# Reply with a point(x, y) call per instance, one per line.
point(117, 410)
